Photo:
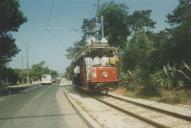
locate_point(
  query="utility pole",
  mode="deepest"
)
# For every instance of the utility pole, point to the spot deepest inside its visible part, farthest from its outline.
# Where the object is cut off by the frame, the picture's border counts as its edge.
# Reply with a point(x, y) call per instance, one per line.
point(22, 60)
point(22, 66)
point(27, 65)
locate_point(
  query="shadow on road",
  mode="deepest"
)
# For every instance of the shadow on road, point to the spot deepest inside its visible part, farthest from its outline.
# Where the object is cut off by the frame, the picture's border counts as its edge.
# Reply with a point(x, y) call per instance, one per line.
point(10, 91)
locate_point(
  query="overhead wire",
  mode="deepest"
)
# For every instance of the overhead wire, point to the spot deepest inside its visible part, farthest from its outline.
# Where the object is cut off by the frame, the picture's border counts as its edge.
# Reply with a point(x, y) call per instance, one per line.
point(98, 9)
point(50, 13)
point(91, 12)
point(52, 8)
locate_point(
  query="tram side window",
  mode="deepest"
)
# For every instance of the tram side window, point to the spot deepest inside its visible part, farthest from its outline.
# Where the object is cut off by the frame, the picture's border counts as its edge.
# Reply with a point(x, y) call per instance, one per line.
point(113, 58)
point(104, 60)
point(96, 61)
point(88, 61)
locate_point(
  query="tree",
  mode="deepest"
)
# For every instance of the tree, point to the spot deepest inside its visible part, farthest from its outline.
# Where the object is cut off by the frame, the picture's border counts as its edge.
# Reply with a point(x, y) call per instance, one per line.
point(140, 19)
point(8, 75)
point(119, 24)
point(12, 76)
point(11, 19)
point(88, 27)
point(7, 48)
point(115, 23)
point(139, 51)
point(181, 44)
point(53, 73)
point(69, 74)
point(180, 32)
point(181, 14)
point(162, 48)
point(71, 52)
point(38, 69)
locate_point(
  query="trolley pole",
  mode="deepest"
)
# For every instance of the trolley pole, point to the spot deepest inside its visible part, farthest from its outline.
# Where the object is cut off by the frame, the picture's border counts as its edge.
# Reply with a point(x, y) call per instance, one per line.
point(102, 27)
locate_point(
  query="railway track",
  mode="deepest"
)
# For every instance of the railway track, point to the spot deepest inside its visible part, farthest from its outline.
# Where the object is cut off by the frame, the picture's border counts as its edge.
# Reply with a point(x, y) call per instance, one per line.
point(155, 116)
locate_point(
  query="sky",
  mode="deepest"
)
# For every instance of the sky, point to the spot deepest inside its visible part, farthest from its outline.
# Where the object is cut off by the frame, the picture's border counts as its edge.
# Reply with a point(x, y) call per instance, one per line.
point(50, 45)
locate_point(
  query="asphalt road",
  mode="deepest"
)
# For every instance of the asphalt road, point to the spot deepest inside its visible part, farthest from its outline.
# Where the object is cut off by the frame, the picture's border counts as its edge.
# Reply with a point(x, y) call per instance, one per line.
point(42, 107)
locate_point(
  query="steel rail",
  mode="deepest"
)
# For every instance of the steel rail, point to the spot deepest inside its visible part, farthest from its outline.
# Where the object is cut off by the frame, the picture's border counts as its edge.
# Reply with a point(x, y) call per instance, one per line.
point(174, 114)
point(156, 124)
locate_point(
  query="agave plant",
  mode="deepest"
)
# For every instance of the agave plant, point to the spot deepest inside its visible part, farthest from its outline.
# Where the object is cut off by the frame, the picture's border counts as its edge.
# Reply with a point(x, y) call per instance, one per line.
point(179, 75)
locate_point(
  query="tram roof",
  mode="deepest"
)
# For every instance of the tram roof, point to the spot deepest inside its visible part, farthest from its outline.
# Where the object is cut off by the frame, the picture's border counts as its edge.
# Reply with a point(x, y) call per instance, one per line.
point(89, 48)
point(98, 46)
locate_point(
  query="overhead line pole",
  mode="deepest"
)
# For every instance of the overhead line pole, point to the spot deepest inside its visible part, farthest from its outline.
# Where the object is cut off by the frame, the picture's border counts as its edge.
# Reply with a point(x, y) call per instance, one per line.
point(27, 68)
point(22, 60)
point(27, 65)
point(22, 66)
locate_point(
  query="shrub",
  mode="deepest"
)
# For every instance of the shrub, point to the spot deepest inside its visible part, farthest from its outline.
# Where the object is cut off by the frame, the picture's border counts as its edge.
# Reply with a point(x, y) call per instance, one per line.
point(179, 75)
point(159, 79)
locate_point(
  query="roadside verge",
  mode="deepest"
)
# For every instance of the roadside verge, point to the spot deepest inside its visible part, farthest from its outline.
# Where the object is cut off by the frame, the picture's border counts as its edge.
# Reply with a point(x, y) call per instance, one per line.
point(8, 90)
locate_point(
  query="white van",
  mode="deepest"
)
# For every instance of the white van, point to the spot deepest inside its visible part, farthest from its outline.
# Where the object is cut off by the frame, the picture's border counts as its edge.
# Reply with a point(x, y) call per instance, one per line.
point(46, 79)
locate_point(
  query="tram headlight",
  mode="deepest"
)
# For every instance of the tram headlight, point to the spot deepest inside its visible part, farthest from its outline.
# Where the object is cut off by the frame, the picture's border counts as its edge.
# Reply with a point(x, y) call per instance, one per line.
point(105, 74)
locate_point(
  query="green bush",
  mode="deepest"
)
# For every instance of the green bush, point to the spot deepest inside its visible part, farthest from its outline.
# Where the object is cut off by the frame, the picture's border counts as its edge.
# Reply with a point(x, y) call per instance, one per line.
point(179, 75)
point(159, 79)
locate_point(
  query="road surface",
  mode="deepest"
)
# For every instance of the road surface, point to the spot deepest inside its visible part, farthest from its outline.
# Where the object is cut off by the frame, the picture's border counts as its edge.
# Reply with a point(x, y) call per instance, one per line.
point(42, 107)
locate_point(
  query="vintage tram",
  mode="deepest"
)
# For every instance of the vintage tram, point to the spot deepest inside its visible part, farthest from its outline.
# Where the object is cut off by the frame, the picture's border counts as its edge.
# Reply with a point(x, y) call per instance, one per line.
point(96, 67)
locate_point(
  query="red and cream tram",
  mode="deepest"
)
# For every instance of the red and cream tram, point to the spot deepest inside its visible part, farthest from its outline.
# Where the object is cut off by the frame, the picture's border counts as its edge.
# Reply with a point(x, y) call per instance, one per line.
point(97, 67)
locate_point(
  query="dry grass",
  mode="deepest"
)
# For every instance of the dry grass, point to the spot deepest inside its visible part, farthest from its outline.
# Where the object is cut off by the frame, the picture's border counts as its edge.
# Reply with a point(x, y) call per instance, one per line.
point(173, 96)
